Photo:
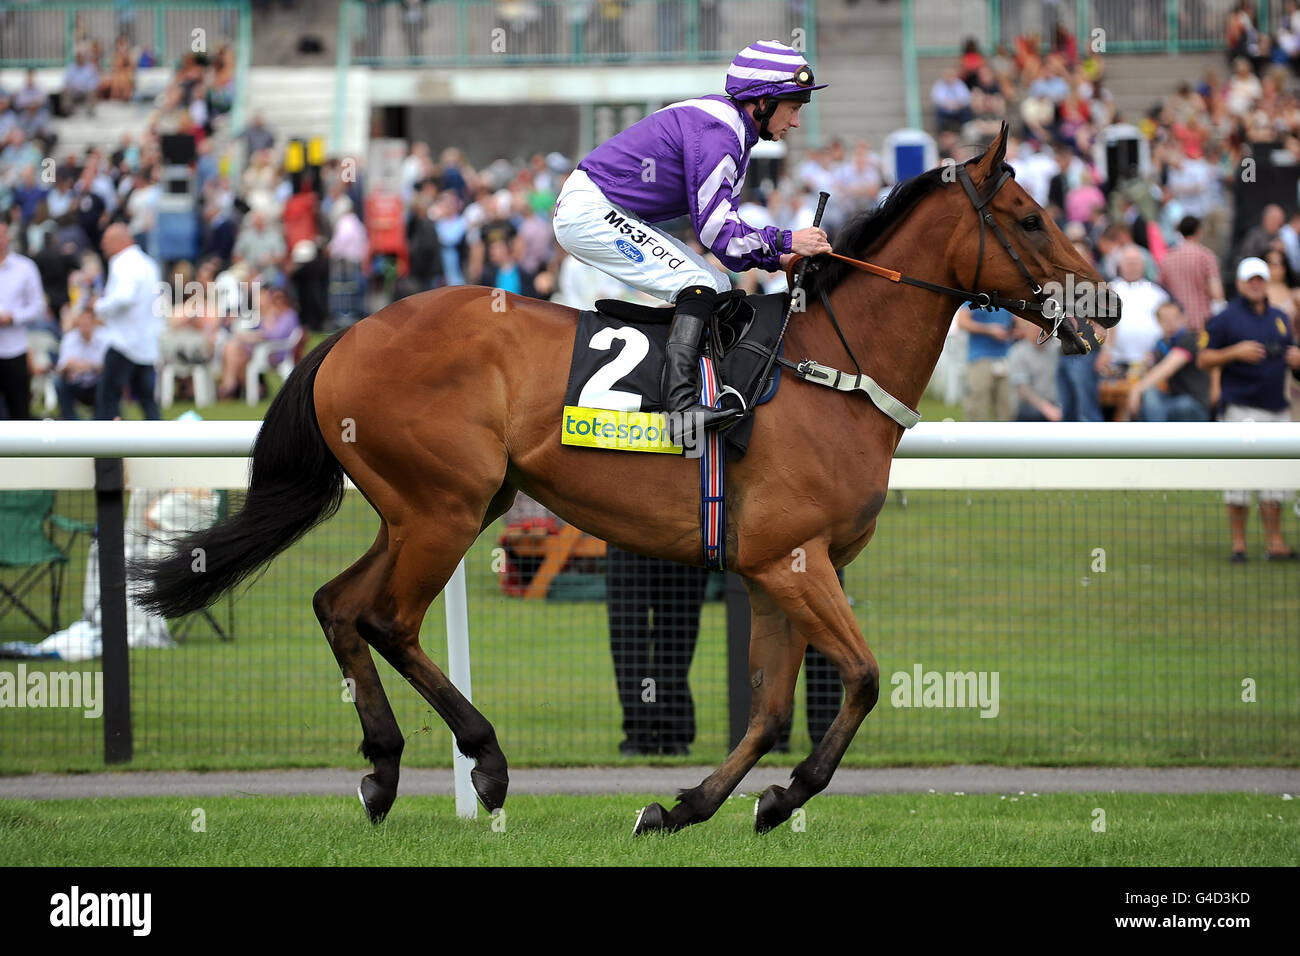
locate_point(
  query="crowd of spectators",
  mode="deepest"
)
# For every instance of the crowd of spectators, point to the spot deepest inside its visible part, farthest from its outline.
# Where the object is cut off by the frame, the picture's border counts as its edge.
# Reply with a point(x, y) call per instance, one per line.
point(1207, 273)
point(1162, 234)
point(309, 235)
point(59, 203)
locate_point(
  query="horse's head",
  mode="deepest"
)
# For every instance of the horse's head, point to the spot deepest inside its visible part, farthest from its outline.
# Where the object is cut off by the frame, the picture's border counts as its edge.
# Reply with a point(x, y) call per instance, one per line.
point(1011, 252)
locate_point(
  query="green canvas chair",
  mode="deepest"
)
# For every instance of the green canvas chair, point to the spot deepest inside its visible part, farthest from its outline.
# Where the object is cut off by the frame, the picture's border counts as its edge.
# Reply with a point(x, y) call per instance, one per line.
point(28, 525)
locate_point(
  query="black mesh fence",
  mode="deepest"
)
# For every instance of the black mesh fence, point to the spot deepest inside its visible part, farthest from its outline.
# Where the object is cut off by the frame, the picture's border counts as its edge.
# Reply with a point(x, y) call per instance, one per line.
point(1101, 627)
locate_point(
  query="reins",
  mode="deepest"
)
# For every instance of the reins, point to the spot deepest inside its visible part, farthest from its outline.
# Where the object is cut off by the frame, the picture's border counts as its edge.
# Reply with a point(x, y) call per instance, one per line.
point(1051, 309)
point(981, 300)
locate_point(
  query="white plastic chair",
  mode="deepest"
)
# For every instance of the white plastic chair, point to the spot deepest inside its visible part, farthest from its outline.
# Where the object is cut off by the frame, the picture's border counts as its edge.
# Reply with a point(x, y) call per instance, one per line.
point(261, 362)
point(205, 387)
point(178, 348)
point(40, 346)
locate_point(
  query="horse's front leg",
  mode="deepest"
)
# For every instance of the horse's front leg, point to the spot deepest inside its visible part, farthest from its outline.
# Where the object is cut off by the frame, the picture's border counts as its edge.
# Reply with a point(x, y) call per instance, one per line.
point(820, 612)
point(775, 654)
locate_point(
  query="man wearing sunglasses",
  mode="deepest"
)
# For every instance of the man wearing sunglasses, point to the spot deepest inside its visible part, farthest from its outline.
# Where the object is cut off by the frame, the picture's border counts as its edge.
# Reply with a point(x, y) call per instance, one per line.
point(689, 158)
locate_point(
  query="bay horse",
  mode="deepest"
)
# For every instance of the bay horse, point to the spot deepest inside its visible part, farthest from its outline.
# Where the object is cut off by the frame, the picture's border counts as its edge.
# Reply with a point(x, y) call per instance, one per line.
point(444, 404)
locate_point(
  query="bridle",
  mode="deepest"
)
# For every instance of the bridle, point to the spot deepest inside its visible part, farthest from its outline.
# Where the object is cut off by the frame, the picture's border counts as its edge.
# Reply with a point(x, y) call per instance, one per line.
point(1055, 314)
point(1072, 343)
point(1052, 310)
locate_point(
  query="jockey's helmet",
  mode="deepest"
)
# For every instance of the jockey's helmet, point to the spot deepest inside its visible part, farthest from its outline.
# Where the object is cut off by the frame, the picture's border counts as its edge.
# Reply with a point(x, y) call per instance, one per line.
point(768, 68)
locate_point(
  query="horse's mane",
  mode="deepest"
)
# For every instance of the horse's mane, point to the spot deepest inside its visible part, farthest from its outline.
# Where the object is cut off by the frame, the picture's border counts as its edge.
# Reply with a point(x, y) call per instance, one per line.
point(868, 227)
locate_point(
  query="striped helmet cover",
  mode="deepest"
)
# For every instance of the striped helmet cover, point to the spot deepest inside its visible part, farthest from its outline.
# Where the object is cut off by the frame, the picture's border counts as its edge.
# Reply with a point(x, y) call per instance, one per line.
point(769, 68)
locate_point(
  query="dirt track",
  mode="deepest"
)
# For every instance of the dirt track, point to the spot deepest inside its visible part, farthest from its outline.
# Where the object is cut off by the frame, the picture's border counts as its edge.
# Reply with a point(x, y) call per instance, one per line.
point(664, 781)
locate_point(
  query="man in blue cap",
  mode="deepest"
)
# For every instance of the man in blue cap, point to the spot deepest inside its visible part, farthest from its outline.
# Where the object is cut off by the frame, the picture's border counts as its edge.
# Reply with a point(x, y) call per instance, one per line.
point(1252, 342)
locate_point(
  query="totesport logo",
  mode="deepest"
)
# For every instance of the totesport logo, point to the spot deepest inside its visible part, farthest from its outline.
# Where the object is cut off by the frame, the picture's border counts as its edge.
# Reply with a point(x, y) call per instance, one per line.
point(617, 431)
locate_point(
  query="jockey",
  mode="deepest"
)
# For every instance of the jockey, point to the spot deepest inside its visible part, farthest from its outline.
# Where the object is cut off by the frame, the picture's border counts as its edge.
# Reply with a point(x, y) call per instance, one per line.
point(689, 157)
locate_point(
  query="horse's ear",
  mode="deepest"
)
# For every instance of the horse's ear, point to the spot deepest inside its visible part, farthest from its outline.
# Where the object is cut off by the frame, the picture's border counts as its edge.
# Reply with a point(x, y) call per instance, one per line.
point(993, 157)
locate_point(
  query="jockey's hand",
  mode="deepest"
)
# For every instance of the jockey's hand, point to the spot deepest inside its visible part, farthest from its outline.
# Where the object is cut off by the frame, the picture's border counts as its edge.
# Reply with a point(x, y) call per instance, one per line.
point(809, 242)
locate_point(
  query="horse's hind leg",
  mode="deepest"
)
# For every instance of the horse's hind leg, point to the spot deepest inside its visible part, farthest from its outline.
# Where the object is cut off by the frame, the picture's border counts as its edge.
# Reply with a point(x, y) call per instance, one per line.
point(816, 605)
point(776, 651)
point(338, 605)
point(421, 566)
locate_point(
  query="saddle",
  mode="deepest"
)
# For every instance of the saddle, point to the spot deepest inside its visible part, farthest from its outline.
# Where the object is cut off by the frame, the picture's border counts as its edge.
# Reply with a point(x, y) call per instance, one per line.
point(618, 356)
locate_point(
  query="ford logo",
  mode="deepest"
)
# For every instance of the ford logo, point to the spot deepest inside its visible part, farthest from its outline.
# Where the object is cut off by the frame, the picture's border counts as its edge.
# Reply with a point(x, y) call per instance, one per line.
point(629, 250)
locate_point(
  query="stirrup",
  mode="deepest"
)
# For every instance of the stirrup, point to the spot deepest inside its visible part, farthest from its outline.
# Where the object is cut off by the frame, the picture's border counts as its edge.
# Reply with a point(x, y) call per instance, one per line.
point(686, 427)
point(728, 390)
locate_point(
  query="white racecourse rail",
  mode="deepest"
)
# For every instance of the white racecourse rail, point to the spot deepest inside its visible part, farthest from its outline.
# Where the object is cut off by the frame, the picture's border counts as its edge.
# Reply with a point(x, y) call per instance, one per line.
point(971, 455)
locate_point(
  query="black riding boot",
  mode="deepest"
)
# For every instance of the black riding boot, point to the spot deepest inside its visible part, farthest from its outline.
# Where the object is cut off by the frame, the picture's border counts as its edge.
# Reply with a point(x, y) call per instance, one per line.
point(681, 380)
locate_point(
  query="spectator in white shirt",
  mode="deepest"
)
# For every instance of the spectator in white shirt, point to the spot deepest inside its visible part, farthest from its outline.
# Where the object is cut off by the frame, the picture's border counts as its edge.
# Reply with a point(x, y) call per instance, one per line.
point(1034, 171)
point(1243, 88)
point(22, 302)
point(1290, 236)
point(81, 360)
point(261, 245)
point(1190, 180)
point(951, 98)
point(142, 204)
point(61, 199)
point(81, 82)
point(1132, 344)
point(30, 94)
point(858, 178)
point(132, 317)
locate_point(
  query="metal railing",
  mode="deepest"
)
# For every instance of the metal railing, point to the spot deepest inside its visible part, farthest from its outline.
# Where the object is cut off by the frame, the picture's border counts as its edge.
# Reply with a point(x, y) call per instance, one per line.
point(1083, 565)
point(571, 32)
point(1126, 26)
point(46, 34)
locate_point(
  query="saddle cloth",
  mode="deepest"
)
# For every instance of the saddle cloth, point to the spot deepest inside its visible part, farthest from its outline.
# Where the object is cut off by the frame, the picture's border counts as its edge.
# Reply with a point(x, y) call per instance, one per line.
point(618, 357)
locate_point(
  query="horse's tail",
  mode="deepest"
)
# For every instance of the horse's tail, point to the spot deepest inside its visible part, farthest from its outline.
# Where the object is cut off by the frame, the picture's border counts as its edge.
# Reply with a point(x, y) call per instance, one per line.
point(296, 483)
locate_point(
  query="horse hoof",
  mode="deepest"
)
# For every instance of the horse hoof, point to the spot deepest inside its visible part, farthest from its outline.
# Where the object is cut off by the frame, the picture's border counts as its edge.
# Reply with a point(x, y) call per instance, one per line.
point(375, 798)
point(770, 810)
point(491, 790)
point(651, 819)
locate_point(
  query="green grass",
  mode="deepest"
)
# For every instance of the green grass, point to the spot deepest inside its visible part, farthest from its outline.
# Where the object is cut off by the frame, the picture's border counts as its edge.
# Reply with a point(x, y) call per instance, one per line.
point(1140, 664)
point(902, 830)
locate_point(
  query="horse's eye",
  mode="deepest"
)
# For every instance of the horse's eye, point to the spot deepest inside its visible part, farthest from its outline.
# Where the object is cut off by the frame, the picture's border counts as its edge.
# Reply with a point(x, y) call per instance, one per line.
point(1031, 224)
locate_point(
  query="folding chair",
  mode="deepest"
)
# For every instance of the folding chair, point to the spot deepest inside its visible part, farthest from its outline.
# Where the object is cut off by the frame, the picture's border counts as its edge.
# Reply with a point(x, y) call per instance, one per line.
point(27, 527)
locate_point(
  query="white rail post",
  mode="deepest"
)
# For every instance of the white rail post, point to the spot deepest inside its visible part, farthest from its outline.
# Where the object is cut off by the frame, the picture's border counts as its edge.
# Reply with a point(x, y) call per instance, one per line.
point(458, 672)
